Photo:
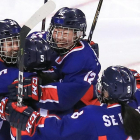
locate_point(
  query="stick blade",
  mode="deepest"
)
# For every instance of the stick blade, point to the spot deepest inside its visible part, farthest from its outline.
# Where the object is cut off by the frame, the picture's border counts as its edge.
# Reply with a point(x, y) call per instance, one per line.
point(40, 14)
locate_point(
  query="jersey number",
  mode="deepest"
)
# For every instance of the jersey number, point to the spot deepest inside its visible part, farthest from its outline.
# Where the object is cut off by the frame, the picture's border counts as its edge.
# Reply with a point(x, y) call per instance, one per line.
point(90, 77)
point(3, 71)
point(77, 114)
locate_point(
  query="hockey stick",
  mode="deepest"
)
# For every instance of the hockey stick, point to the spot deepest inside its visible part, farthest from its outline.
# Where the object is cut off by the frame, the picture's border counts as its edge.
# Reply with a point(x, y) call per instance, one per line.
point(95, 20)
point(44, 20)
point(41, 13)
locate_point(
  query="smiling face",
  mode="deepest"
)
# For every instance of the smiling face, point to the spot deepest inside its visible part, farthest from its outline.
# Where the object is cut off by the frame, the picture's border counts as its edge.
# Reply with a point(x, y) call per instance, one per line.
point(64, 37)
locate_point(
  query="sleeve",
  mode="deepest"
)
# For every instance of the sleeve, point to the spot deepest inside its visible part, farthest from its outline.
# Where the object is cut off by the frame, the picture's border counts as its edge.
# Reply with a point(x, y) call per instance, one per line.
point(8, 76)
point(95, 47)
point(63, 95)
point(80, 71)
point(70, 127)
point(137, 96)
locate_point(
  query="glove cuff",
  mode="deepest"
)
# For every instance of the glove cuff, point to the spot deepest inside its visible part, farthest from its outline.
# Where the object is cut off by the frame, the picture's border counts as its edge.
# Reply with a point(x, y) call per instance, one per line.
point(31, 124)
point(3, 104)
point(36, 89)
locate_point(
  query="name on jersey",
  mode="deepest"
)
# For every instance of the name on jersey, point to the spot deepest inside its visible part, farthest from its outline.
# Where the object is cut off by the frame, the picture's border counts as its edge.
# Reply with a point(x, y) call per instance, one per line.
point(110, 120)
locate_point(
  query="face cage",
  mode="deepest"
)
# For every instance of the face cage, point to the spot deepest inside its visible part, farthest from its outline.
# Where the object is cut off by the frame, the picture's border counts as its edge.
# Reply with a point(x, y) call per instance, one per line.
point(62, 38)
point(9, 49)
point(100, 92)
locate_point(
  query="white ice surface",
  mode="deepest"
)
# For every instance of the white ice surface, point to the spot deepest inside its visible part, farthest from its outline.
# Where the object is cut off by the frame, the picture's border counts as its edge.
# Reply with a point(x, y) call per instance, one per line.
point(117, 30)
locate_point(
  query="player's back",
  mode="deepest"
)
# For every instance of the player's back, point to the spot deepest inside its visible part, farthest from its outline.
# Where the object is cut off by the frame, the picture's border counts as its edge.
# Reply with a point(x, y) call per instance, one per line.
point(91, 123)
point(104, 123)
point(107, 122)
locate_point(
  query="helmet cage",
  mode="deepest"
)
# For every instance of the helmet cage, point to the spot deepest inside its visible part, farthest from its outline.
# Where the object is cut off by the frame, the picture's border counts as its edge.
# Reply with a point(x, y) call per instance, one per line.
point(100, 92)
point(9, 56)
point(60, 38)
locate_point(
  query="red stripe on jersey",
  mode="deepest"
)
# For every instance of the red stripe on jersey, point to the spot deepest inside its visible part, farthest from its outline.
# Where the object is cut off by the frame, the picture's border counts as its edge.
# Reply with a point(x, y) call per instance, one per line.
point(61, 58)
point(1, 60)
point(49, 94)
point(41, 121)
point(75, 48)
point(111, 105)
point(102, 138)
point(88, 97)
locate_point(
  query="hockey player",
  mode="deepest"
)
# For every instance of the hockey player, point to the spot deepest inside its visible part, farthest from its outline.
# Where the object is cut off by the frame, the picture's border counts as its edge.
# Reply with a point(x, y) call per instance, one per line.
point(9, 45)
point(76, 65)
point(113, 120)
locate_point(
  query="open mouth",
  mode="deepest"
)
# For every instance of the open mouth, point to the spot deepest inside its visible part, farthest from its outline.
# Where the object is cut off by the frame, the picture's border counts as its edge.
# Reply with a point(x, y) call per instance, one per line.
point(59, 45)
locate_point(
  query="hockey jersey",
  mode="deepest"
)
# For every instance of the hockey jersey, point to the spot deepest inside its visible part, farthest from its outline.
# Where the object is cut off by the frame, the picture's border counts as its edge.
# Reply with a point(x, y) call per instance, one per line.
point(7, 76)
point(89, 123)
point(78, 70)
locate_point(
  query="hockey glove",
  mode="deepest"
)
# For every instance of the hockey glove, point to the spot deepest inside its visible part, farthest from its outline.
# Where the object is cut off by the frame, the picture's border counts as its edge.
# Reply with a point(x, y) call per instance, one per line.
point(23, 118)
point(3, 104)
point(31, 89)
point(95, 47)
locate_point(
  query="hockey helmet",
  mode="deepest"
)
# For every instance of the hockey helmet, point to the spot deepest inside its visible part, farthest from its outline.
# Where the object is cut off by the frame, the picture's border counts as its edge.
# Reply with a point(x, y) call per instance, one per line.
point(37, 54)
point(67, 19)
point(9, 36)
point(119, 82)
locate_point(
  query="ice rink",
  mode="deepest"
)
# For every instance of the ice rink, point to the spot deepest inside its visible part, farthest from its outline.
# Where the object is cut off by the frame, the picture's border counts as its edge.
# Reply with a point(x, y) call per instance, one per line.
point(117, 30)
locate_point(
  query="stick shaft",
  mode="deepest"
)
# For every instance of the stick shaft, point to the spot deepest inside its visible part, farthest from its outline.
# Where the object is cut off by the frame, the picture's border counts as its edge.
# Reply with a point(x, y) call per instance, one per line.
point(95, 20)
point(41, 13)
point(44, 20)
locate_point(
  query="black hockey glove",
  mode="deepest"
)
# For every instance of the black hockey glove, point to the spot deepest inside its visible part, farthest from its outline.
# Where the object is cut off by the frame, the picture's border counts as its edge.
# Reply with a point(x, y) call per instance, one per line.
point(95, 47)
point(31, 89)
point(23, 118)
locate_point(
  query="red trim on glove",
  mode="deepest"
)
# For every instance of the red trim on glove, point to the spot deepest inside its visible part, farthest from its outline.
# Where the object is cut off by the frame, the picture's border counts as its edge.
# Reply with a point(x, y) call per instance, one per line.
point(2, 107)
point(35, 89)
point(18, 108)
point(92, 43)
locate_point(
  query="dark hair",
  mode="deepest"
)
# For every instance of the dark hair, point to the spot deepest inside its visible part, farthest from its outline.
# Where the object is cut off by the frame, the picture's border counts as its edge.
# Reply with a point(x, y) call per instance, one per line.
point(131, 120)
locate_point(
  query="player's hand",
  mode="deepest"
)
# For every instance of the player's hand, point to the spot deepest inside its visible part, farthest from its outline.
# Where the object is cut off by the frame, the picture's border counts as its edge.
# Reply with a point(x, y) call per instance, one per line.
point(3, 104)
point(31, 89)
point(23, 118)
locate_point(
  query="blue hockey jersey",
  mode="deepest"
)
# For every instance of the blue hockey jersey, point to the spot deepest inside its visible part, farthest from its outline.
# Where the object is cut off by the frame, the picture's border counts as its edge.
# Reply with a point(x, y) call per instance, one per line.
point(78, 70)
point(7, 76)
point(90, 123)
